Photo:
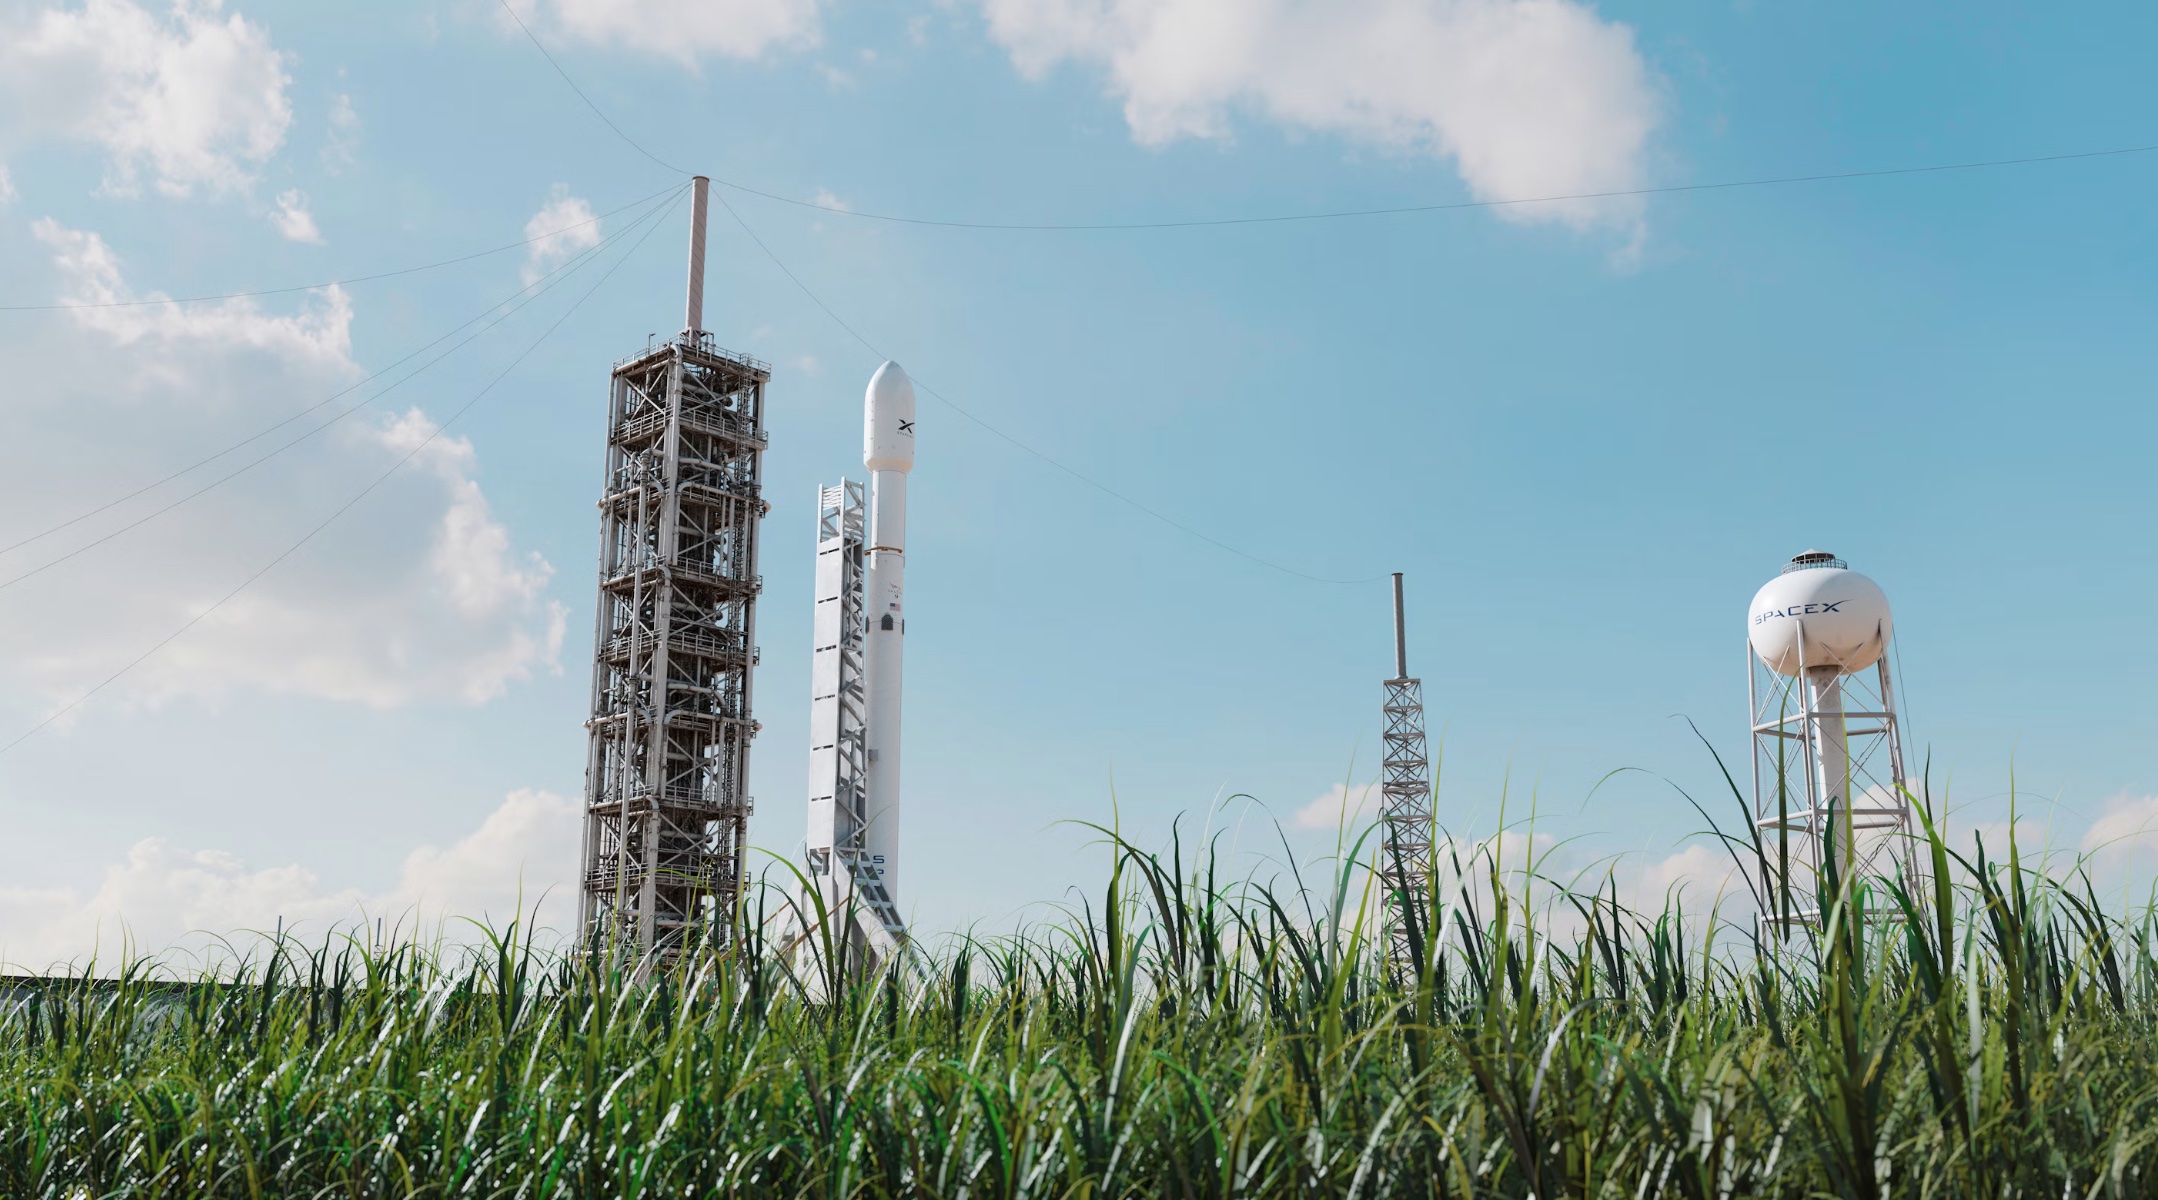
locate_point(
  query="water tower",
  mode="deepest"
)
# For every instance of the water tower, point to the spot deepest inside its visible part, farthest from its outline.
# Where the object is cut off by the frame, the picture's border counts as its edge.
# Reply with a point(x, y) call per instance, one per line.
point(1828, 781)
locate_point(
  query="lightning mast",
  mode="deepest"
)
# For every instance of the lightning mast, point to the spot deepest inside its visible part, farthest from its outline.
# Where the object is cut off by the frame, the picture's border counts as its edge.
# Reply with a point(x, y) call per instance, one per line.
point(1405, 814)
point(667, 773)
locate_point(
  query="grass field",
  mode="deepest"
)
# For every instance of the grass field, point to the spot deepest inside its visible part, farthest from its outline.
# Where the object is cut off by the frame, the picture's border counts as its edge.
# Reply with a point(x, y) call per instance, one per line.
point(1178, 1035)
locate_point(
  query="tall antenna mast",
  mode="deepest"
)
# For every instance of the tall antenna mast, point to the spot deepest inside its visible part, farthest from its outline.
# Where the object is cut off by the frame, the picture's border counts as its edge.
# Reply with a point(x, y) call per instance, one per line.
point(1405, 813)
point(667, 774)
point(693, 322)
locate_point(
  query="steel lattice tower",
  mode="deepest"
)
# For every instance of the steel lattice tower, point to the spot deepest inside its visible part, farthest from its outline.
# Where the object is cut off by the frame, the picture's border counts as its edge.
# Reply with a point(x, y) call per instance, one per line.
point(666, 778)
point(1405, 801)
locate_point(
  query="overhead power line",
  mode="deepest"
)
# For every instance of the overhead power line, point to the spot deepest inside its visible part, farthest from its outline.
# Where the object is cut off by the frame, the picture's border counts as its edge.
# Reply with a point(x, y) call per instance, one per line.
point(257, 461)
point(1338, 214)
point(544, 283)
point(344, 508)
point(634, 144)
point(1323, 214)
point(350, 279)
point(1074, 472)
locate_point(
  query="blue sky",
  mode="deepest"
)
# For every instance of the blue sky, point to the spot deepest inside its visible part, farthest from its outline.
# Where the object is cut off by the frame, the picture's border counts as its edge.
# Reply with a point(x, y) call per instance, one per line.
point(1585, 431)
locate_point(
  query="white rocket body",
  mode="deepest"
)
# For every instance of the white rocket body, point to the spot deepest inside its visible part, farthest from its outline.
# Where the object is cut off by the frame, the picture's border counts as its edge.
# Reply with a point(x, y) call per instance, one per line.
point(888, 453)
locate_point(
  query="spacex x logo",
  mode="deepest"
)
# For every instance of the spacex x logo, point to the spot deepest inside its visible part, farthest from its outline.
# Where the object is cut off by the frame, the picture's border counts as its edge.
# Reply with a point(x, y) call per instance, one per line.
point(1798, 610)
point(907, 427)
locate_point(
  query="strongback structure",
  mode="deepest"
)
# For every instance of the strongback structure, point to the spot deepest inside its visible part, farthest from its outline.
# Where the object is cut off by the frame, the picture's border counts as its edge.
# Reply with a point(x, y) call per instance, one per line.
point(1405, 814)
point(864, 921)
point(666, 778)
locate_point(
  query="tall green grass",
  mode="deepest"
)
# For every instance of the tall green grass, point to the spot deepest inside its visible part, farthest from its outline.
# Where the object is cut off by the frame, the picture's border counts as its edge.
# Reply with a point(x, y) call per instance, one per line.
point(1178, 1034)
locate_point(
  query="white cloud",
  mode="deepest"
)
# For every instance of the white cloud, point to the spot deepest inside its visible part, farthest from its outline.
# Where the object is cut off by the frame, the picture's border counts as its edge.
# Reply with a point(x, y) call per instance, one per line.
point(342, 146)
point(319, 335)
point(416, 593)
point(2128, 826)
point(825, 199)
point(193, 95)
point(161, 896)
point(7, 186)
point(293, 220)
point(524, 854)
point(1527, 98)
point(684, 30)
point(1340, 806)
point(563, 226)
point(1695, 878)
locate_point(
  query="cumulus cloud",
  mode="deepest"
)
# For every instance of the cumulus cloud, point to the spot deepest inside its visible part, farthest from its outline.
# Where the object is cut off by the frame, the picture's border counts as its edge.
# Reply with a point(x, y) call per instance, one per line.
point(318, 335)
point(162, 896)
point(190, 94)
point(683, 30)
point(1526, 98)
point(293, 220)
point(7, 186)
point(1340, 806)
point(416, 593)
point(1695, 877)
point(342, 147)
point(562, 227)
point(2127, 828)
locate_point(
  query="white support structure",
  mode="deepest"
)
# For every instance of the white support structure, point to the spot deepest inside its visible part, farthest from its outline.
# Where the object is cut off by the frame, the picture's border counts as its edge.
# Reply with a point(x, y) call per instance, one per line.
point(856, 690)
point(865, 924)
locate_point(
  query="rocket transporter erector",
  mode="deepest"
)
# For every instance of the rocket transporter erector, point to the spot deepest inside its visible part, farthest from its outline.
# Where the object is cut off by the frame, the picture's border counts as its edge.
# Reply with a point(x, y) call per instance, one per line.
point(856, 673)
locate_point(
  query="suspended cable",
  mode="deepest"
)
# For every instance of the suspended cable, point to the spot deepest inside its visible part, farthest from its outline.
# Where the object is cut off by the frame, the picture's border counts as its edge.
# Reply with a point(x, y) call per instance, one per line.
point(235, 473)
point(608, 121)
point(310, 287)
point(1081, 476)
point(1326, 214)
point(1338, 214)
point(570, 264)
point(344, 508)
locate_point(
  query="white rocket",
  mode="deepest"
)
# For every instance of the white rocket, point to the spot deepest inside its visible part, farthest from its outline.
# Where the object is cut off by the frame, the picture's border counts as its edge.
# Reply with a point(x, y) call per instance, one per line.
point(888, 453)
point(855, 688)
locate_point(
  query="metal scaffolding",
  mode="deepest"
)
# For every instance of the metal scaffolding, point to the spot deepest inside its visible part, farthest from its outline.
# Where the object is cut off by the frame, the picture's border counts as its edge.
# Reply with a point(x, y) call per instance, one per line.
point(666, 780)
point(847, 879)
point(1405, 812)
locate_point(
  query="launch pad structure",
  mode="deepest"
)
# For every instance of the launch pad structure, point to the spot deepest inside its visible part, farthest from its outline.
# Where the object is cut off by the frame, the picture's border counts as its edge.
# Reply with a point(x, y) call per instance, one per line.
point(667, 773)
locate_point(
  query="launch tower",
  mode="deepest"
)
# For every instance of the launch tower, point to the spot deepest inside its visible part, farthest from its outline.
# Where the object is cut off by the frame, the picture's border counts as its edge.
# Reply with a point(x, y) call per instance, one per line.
point(667, 775)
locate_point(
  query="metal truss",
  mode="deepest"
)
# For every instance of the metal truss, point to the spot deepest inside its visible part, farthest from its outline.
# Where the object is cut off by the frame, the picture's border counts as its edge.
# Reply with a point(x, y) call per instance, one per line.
point(845, 880)
point(666, 779)
point(1405, 815)
point(838, 747)
point(1864, 820)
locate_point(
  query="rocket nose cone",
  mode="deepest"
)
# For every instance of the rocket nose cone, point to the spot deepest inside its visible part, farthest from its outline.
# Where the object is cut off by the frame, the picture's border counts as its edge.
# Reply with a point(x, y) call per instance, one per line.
point(888, 420)
point(890, 377)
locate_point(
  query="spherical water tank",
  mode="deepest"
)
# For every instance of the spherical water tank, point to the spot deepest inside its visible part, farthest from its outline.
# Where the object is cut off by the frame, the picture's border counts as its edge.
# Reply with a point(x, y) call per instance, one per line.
point(1819, 613)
